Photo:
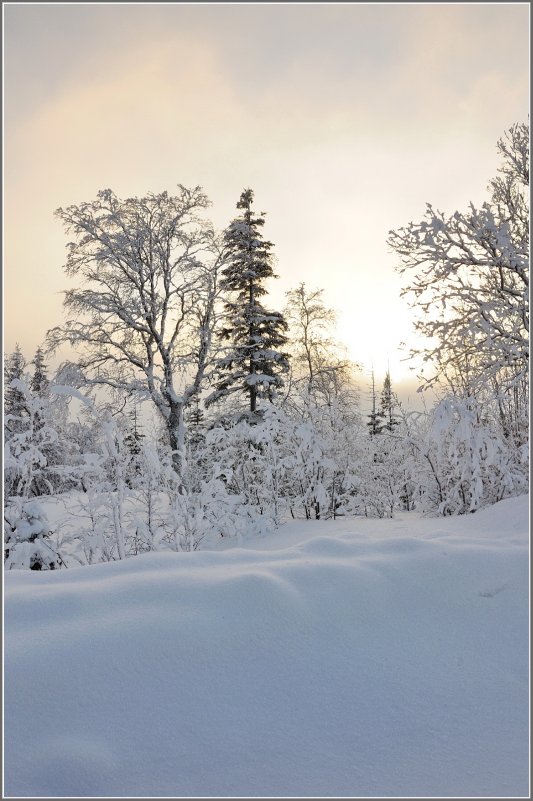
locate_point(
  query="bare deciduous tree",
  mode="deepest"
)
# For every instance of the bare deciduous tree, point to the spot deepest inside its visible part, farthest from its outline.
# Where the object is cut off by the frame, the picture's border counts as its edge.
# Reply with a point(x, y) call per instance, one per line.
point(143, 320)
point(320, 364)
point(469, 276)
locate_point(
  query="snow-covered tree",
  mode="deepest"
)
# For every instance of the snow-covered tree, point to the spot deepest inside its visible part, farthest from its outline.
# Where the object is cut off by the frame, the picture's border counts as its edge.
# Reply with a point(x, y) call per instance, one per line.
point(254, 364)
point(377, 476)
point(31, 445)
point(375, 418)
point(27, 537)
point(468, 275)
point(48, 414)
point(143, 319)
point(318, 363)
point(133, 438)
point(40, 384)
point(388, 404)
point(472, 463)
point(150, 532)
point(14, 400)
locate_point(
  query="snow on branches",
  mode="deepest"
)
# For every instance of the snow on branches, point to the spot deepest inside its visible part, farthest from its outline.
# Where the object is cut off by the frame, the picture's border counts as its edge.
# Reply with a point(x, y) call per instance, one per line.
point(468, 276)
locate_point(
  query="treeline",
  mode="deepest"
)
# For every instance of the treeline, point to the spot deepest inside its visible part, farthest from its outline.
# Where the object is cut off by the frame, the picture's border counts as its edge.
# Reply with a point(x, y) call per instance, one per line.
point(256, 412)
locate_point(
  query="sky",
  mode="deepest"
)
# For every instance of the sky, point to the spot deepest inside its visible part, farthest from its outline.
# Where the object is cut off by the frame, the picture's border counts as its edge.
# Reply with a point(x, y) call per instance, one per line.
point(345, 120)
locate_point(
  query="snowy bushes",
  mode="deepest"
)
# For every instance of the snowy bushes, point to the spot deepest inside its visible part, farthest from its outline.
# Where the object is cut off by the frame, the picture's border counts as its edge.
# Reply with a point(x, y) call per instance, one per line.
point(31, 445)
point(312, 457)
point(381, 479)
point(282, 465)
point(26, 537)
point(243, 476)
point(249, 458)
point(468, 463)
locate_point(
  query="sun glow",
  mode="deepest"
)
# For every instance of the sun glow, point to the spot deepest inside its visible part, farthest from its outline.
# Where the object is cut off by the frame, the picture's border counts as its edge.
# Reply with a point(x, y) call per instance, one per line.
point(378, 347)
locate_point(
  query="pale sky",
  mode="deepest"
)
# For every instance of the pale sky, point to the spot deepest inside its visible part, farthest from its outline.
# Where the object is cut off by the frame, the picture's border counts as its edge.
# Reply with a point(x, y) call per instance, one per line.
point(345, 119)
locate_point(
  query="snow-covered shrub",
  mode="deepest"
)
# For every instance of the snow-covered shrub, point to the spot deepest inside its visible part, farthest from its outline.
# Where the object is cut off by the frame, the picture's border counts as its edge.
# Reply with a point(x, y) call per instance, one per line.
point(378, 484)
point(248, 461)
point(31, 444)
point(472, 463)
point(198, 508)
point(288, 461)
point(306, 462)
point(150, 501)
point(319, 460)
point(26, 537)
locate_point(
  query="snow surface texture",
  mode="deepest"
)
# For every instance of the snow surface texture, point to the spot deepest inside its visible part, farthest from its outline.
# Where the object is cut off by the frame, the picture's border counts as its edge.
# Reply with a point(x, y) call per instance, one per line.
point(355, 658)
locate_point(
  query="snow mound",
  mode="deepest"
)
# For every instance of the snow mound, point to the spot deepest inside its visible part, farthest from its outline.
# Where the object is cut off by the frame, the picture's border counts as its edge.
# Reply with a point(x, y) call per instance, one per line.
point(355, 658)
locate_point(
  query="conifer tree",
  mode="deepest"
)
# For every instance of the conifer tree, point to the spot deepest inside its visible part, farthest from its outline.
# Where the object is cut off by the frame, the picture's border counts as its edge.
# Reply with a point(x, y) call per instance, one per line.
point(40, 385)
point(388, 403)
point(375, 422)
point(14, 400)
point(39, 382)
point(52, 446)
point(254, 364)
point(133, 441)
point(34, 448)
point(134, 434)
point(196, 434)
point(15, 409)
point(195, 416)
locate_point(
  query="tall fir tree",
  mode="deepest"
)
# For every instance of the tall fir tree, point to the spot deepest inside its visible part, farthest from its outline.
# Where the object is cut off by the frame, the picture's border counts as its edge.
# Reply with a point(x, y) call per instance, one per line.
point(52, 445)
point(388, 404)
point(14, 401)
point(375, 421)
point(195, 417)
point(254, 364)
point(133, 436)
point(39, 384)
point(34, 447)
point(132, 439)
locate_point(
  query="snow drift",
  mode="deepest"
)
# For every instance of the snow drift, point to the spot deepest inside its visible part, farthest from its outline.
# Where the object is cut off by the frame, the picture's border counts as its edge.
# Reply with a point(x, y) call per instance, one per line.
point(354, 658)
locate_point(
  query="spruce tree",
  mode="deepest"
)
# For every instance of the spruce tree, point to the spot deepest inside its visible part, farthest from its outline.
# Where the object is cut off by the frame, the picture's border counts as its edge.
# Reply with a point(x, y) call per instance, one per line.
point(39, 383)
point(388, 403)
point(375, 422)
point(133, 442)
point(33, 445)
point(134, 435)
point(195, 438)
point(51, 446)
point(15, 411)
point(254, 364)
point(40, 386)
point(195, 416)
point(14, 401)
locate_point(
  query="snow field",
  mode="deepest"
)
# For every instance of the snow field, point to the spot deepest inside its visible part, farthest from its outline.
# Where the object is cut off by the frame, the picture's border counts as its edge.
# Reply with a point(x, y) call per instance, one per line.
point(355, 658)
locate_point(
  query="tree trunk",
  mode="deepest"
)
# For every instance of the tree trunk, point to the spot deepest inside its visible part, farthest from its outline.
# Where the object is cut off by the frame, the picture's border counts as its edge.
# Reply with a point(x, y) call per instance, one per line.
point(253, 387)
point(176, 435)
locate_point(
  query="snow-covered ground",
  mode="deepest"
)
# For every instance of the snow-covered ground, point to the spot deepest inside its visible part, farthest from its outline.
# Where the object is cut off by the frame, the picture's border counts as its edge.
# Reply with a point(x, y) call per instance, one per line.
point(347, 658)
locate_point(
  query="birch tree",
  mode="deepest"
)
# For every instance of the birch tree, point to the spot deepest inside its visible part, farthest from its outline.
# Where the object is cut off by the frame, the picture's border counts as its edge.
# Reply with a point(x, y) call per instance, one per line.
point(468, 276)
point(142, 320)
